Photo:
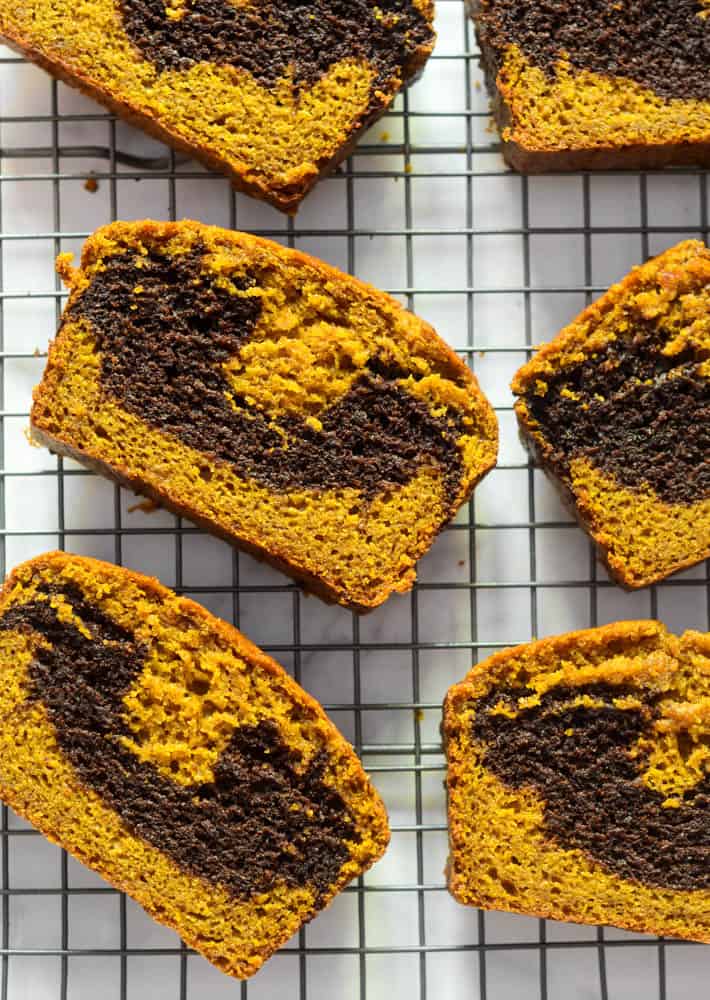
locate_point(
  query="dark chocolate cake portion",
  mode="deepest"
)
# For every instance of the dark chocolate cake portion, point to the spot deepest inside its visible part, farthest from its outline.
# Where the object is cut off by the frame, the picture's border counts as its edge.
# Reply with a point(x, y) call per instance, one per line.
point(161, 748)
point(272, 38)
point(264, 818)
point(581, 761)
point(664, 46)
point(162, 354)
point(578, 780)
point(634, 411)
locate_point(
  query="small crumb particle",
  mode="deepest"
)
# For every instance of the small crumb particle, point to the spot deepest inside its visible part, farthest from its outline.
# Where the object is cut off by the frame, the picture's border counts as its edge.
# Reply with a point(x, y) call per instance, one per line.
point(481, 354)
point(385, 137)
point(37, 353)
point(477, 85)
point(408, 168)
point(147, 506)
point(462, 562)
point(30, 440)
point(91, 185)
point(314, 423)
point(419, 714)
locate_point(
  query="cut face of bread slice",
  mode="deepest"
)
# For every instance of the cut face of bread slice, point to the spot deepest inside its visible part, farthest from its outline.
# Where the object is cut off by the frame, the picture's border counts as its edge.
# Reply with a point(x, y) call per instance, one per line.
point(164, 750)
point(579, 780)
point(589, 84)
point(274, 93)
point(617, 410)
point(274, 400)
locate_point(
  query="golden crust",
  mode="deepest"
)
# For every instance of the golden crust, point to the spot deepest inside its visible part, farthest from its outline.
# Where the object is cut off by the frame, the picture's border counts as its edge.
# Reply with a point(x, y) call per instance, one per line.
point(205, 898)
point(407, 329)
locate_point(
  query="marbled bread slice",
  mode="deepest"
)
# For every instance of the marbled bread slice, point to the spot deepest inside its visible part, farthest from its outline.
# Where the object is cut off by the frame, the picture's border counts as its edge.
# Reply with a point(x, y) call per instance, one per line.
point(164, 750)
point(579, 780)
point(274, 400)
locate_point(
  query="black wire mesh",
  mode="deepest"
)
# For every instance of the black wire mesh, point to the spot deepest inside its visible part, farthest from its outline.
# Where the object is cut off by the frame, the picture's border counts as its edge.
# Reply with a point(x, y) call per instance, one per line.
point(488, 955)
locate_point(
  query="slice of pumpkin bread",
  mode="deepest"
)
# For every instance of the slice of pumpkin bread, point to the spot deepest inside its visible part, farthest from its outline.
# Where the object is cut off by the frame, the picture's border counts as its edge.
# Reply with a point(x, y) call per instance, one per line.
point(274, 93)
point(167, 752)
point(579, 780)
point(591, 84)
point(617, 410)
point(278, 402)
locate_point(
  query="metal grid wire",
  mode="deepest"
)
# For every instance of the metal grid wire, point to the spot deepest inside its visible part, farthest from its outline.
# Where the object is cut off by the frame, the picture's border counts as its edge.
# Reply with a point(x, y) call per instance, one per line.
point(507, 261)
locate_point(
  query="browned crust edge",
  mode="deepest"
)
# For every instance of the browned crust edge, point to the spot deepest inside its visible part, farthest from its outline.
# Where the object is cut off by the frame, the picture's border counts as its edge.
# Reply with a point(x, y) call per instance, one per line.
point(450, 726)
point(286, 199)
point(310, 583)
point(249, 651)
point(121, 475)
point(624, 924)
point(634, 157)
point(526, 160)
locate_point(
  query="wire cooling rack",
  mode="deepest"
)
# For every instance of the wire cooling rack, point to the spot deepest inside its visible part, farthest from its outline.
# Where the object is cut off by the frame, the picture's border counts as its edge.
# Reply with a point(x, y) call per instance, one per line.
point(425, 209)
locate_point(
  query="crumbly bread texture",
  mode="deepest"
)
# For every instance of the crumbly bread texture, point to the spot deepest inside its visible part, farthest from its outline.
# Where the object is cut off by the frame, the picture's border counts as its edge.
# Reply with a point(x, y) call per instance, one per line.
point(589, 84)
point(276, 401)
point(617, 410)
point(164, 750)
point(271, 92)
point(579, 780)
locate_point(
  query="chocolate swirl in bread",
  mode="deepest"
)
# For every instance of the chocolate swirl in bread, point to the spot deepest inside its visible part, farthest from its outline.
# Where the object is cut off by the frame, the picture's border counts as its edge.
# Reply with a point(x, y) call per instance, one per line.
point(162, 355)
point(584, 762)
point(662, 46)
point(263, 819)
point(302, 37)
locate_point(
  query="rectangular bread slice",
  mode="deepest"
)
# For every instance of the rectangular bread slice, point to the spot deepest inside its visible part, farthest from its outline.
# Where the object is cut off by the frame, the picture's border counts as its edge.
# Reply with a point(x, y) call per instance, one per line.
point(270, 92)
point(164, 750)
point(272, 399)
point(595, 85)
point(616, 409)
point(579, 780)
